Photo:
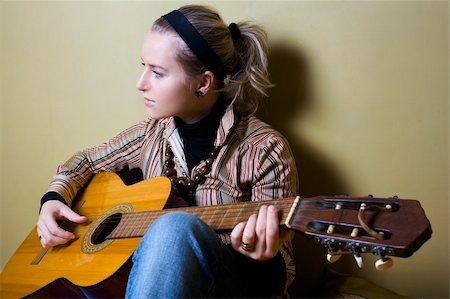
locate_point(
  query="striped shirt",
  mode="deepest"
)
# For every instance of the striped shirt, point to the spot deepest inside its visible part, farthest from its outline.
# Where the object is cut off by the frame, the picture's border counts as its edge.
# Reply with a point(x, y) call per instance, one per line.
point(254, 163)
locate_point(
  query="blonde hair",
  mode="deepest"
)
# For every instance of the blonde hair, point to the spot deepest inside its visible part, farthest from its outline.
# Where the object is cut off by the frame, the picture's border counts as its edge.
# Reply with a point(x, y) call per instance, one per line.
point(244, 61)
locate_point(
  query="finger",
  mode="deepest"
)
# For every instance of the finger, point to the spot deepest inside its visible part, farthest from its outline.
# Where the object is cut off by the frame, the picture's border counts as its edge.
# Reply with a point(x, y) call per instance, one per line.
point(52, 241)
point(272, 231)
point(260, 228)
point(52, 229)
point(42, 228)
point(42, 240)
point(42, 233)
point(50, 237)
point(38, 231)
point(249, 235)
point(56, 231)
point(72, 216)
point(236, 236)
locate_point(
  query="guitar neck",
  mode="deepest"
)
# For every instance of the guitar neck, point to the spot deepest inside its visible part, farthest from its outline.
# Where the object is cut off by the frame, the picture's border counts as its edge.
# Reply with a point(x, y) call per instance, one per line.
point(220, 217)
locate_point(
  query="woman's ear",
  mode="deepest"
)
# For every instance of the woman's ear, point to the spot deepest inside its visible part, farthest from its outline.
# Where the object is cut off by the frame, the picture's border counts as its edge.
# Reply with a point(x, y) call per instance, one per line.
point(205, 82)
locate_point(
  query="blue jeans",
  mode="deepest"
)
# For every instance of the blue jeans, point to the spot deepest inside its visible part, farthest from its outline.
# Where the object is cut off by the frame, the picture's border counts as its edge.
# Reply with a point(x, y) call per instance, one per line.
point(181, 257)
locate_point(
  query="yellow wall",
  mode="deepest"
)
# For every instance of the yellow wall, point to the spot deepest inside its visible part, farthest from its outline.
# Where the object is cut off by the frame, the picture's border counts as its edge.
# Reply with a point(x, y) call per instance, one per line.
point(362, 95)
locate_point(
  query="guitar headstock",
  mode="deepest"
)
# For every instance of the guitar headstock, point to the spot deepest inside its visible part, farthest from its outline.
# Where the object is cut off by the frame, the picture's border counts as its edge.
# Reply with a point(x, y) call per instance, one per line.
point(356, 225)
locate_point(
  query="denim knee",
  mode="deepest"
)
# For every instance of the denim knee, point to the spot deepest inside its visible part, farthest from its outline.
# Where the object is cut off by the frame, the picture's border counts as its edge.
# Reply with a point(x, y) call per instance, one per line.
point(175, 228)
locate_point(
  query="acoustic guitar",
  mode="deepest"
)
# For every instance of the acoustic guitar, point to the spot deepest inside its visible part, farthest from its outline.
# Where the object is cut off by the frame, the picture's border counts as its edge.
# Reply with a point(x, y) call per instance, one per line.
point(97, 263)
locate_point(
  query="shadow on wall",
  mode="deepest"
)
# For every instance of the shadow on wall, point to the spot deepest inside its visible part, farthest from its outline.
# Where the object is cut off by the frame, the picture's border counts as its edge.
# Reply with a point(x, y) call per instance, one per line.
point(292, 97)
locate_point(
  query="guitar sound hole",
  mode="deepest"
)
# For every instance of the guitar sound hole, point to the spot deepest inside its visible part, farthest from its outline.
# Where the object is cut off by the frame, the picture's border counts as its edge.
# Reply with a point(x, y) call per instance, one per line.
point(105, 228)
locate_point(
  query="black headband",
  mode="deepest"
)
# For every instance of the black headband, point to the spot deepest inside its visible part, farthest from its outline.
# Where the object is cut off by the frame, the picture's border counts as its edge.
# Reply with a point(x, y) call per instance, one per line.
point(195, 41)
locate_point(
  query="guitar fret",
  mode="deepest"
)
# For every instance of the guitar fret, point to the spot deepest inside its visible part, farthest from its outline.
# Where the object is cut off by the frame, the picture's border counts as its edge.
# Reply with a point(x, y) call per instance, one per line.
point(214, 218)
point(133, 227)
point(237, 218)
point(119, 229)
point(200, 214)
point(143, 224)
point(130, 226)
point(126, 226)
point(222, 219)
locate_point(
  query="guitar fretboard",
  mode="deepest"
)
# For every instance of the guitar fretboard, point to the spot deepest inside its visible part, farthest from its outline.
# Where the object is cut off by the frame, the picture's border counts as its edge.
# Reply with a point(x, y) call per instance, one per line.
point(220, 217)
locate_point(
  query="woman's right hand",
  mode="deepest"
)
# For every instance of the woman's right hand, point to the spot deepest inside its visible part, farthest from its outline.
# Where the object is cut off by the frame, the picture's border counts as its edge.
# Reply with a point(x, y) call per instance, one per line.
point(48, 229)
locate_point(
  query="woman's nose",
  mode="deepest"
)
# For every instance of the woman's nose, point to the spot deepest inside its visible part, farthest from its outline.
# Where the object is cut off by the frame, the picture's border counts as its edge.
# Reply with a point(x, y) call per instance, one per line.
point(142, 82)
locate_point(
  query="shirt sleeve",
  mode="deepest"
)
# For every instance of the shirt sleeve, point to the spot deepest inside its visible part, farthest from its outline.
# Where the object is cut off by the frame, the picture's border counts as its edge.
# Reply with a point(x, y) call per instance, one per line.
point(274, 173)
point(276, 177)
point(52, 196)
point(116, 154)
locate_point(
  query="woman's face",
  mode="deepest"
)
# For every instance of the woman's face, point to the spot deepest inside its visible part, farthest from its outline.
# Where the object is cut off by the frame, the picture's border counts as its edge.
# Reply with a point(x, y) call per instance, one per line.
point(164, 84)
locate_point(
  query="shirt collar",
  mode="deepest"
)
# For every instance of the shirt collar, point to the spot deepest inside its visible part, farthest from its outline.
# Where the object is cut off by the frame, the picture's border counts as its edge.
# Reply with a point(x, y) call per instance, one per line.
point(227, 123)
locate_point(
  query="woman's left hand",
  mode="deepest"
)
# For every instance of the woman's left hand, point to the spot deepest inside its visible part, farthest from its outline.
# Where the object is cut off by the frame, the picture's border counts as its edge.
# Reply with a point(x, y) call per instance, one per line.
point(260, 237)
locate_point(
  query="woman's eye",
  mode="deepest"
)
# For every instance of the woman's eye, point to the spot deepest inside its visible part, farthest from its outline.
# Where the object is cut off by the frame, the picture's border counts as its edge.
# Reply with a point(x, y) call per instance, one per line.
point(154, 73)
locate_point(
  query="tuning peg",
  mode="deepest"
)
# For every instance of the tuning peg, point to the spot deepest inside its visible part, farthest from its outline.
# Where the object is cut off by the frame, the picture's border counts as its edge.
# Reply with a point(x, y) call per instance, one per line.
point(331, 227)
point(356, 248)
point(332, 258)
point(332, 248)
point(384, 263)
point(358, 259)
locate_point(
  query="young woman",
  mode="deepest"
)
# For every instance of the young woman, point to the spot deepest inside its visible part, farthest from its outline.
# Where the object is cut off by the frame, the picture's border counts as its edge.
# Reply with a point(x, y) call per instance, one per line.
point(201, 83)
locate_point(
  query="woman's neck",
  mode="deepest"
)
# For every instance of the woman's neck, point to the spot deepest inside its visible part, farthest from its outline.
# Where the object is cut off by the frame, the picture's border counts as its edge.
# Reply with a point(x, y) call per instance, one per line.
point(200, 108)
point(198, 138)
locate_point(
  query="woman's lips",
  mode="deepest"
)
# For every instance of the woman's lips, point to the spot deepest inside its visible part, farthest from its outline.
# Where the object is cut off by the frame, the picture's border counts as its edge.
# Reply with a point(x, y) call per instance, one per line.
point(148, 102)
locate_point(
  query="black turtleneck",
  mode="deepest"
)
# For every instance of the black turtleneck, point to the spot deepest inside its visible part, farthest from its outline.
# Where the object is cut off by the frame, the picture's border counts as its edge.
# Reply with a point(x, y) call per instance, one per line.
point(198, 138)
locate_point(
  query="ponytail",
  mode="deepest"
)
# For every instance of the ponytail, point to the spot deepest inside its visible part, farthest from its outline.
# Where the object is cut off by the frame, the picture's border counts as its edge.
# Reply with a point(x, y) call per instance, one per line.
point(250, 80)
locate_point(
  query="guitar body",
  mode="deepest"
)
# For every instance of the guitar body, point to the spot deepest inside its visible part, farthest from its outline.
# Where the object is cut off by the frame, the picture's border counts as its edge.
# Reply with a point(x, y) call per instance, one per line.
point(83, 264)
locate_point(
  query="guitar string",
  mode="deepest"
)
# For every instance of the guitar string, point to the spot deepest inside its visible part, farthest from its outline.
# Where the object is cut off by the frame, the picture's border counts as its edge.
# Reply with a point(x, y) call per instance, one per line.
point(232, 215)
point(205, 211)
point(234, 221)
point(208, 214)
point(303, 228)
point(236, 206)
point(306, 204)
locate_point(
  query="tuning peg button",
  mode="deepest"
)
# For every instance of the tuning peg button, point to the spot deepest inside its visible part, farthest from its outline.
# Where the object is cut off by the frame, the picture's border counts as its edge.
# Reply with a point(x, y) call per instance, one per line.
point(359, 260)
point(384, 263)
point(332, 258)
